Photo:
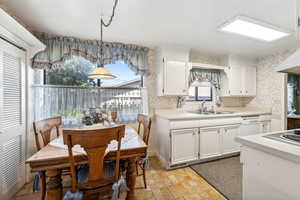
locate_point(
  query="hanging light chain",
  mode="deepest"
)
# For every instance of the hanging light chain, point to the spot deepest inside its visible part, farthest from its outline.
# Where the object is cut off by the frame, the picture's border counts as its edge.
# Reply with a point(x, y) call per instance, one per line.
point(101, 30)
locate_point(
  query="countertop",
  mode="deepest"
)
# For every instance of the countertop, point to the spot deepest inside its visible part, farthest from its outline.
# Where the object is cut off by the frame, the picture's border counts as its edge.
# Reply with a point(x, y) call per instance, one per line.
point(180, 114)
point(293, 116)
point(281, 149)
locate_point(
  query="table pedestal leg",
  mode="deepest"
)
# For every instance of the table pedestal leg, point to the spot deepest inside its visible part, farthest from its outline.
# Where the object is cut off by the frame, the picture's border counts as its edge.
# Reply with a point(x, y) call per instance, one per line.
point(130, 178)
point(54, 185)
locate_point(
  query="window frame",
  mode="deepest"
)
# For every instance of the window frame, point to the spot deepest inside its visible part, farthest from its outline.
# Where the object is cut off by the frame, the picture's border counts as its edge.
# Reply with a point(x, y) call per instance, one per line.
point(201, 99)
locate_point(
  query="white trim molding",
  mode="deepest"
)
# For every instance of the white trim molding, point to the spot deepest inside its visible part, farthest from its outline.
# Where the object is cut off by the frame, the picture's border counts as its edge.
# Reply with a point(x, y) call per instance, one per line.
point(15, 33)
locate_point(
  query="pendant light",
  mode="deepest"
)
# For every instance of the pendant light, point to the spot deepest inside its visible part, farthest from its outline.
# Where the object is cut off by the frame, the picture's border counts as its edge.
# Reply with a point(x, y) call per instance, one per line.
point(101, 72)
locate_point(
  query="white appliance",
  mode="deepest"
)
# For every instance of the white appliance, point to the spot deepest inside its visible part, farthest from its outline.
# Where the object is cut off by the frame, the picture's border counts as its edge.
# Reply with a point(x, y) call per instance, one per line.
point(251, 126)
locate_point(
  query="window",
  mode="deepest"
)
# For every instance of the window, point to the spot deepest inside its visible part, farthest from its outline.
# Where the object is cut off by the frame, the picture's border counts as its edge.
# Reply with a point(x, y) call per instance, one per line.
point(67, 91)
point(200, 92)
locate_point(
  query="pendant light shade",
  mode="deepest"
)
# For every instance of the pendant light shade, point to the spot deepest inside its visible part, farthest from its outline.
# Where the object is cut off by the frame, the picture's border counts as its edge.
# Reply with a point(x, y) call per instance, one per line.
point(101, 73)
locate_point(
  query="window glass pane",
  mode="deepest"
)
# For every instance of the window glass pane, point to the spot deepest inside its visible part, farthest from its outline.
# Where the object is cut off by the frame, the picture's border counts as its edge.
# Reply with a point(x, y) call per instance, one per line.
point(200, 91)
point(125, 76)
point(204, 93)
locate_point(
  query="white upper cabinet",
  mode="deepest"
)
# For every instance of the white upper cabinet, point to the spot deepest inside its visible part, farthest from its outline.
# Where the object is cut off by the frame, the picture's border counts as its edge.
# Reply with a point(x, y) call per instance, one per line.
point(175, 78)
point(235, 83)
point(239, 77)
point(172, 71)
point(249, 83)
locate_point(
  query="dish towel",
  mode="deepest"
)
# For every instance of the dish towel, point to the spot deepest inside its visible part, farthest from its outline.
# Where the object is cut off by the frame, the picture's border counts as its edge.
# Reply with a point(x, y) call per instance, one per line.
point(73, 195)
point(82, 176)
point(146, 162)
point(119, 186)
point(36, 181)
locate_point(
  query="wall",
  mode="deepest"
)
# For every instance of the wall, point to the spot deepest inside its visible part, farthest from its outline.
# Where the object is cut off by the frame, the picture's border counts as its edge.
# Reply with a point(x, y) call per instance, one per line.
point(271, 88)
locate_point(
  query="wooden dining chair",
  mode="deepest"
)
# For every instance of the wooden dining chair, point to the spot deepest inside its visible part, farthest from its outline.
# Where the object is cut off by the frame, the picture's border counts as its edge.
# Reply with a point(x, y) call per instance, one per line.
point(95, 143)
point(144, 127)
point(43, 129)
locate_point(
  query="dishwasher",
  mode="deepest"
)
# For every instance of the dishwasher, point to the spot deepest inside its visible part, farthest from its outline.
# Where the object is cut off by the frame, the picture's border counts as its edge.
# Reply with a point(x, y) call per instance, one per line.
point(251, 126)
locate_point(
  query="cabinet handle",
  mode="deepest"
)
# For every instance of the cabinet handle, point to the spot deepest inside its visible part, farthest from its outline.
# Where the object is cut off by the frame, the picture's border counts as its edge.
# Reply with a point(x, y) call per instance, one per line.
point(183, 90)
point(241, 91)
point(246, 91)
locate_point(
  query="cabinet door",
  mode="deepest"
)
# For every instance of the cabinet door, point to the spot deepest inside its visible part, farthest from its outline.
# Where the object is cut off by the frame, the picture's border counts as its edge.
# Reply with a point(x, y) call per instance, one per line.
point(249, 81)
point(210, 142)
point(175, 78)
point(229, 145)
point(235, 81)
point(184, 145)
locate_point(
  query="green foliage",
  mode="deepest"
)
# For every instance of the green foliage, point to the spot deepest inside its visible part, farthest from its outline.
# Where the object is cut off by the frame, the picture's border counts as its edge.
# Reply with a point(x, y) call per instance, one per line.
point(74, 72)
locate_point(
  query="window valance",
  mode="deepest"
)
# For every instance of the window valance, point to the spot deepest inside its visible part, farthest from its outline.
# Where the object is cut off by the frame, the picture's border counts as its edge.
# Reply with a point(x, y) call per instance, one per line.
point(58, 49)
point(205, 75)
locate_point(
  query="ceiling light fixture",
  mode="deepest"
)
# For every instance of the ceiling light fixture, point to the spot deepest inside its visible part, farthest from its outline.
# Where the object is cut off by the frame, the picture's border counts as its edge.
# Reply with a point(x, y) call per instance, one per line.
point(100, 72)
point(248, 27)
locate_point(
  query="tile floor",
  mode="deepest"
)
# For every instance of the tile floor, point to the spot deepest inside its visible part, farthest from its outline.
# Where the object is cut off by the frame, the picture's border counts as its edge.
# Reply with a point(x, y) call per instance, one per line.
point(179, 184)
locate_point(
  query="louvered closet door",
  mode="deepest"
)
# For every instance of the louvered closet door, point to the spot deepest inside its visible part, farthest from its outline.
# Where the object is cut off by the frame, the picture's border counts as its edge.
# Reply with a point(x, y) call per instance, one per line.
point(12, 119)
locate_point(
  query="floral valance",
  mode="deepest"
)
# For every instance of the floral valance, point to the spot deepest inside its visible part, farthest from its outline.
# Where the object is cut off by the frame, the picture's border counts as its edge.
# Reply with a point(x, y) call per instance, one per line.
point(58, 49)
point(205, 75)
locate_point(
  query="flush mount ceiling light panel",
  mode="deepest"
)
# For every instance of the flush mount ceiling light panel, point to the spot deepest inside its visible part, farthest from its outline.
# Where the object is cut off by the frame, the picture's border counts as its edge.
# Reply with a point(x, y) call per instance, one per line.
point(248, 27)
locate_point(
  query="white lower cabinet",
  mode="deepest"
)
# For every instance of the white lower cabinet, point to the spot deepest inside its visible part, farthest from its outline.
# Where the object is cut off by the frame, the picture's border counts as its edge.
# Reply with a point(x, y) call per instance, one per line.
point(209, 142)
point(186, 141)
point(229, 145)
point(201, 143)
point(184, 145)
point(217, 141)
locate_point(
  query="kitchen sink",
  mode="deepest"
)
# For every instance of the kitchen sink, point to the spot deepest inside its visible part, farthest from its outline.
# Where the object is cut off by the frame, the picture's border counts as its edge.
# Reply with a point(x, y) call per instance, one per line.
point(212, 112)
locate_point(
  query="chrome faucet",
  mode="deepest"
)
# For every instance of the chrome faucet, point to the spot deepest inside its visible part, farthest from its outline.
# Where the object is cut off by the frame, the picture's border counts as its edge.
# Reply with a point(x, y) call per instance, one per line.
point(180, 101)
point(202, 106)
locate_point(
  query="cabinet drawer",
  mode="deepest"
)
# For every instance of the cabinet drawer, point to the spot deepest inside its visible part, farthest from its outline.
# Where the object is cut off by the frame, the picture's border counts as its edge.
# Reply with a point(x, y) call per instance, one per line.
point(219, 122)
point(184, 124)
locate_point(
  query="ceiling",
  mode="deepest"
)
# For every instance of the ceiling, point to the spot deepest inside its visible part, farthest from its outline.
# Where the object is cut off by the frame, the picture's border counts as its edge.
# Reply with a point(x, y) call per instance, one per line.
point(190, 23)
